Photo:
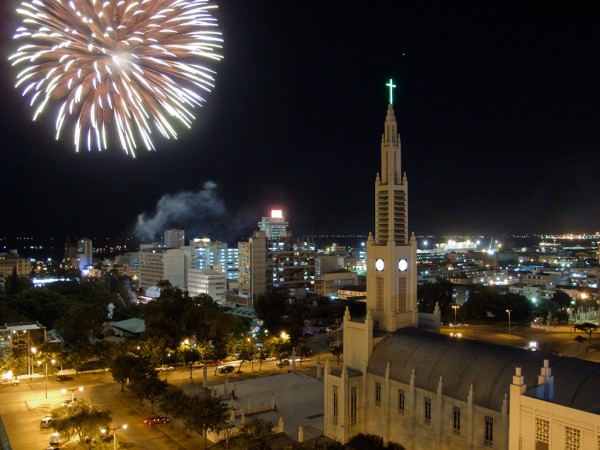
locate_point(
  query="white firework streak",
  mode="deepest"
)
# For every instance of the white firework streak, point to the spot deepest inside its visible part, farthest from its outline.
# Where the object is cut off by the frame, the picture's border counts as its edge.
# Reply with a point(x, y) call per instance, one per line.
point(133, 65)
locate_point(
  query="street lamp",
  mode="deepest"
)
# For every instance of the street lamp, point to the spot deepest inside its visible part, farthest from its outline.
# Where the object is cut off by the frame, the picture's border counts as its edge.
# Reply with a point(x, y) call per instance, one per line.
point(33, 352)
point(508, 311)
point(72, 391)
point(114, 430)
point(46, 372)
point(455, 307)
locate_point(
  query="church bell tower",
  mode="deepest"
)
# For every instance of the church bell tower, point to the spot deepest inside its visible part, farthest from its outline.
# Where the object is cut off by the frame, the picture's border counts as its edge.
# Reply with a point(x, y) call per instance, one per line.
point(391, 253)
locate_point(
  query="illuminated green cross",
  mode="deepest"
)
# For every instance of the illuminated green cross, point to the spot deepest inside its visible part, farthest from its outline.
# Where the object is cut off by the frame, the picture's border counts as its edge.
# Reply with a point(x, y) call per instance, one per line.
point(391, 85)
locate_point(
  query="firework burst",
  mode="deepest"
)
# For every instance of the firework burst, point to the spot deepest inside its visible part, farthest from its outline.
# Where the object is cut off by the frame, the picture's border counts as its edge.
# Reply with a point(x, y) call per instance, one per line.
point(133, 66)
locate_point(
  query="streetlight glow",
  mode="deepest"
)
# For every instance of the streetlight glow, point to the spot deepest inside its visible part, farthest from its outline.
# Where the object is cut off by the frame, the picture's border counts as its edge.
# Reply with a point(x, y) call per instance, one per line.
point(52, 361)
point(72, 391)
point(114, 430)
point(455, 307)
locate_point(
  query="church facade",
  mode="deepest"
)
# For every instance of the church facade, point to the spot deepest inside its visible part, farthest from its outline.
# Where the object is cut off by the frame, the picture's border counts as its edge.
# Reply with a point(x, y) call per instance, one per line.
point(424, 390)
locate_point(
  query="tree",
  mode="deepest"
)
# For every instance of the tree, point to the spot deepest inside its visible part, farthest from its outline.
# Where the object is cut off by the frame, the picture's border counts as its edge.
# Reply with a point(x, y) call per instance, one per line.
point(270, 308)
point(372, 442)
point(587, 328)
point(172, 401)
point(264, 351)
point(440, 292)
point(255, 434)
point(203, 415)
point(579, 339)
point(150, 388)
point(128, 368)
point(561, 299)
point(82, 419)
point(247, 353)
point(303, 350)
point(15, 284)
point(337, 351)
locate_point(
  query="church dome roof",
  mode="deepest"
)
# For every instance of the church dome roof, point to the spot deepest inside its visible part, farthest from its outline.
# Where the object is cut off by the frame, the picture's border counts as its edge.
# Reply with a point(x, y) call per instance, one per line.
point(489, 368)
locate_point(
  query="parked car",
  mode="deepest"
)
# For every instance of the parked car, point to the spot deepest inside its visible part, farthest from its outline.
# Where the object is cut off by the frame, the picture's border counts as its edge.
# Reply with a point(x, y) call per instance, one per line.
point(156, 419)
point(197, 365)
point(69, 402)
point(226, 369)
point(55, 440)
point(164, 368)
point(64, 378)
point(45, 422)
point(10, 382)
point(283, 363)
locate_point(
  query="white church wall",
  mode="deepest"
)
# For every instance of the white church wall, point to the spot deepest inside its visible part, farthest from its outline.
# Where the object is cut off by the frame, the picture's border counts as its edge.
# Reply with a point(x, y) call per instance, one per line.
point(558, 426)
point(411, 427)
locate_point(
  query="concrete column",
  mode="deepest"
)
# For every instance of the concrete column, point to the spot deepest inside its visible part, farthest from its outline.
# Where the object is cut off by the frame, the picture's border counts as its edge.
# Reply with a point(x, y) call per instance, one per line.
point(439, 428)
point(470, 417)
point(386, 406)
point(204, 376)
point(300, 434)
point(319, 376)
point(412, 408)
point(517, 388)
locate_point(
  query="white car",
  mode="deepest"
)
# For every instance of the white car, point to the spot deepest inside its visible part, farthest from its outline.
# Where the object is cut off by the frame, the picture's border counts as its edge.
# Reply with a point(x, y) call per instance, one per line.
point(10, 381)
point(45, 422)
point(164, 368)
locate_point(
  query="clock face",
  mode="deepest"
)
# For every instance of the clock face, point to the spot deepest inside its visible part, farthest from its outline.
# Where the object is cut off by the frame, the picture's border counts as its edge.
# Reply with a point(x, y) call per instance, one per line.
point(402, 265)
point(379, 264)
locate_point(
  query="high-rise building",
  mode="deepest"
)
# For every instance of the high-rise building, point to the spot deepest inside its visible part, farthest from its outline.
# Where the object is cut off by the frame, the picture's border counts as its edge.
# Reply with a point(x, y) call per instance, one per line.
point(277, 263)
point(174, 238)
point(78, 254)
point(162, 264)
point(206, 281)
point(12, 261)
point(84, 252)
point(275, 227)
point(215, 255)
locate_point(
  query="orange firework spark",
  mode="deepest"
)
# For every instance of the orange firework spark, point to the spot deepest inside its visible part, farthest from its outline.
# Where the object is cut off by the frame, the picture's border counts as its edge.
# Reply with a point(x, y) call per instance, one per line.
point(133, 66)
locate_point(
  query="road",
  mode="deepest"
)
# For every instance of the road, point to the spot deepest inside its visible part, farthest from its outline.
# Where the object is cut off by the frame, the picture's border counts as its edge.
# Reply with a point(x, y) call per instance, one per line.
point(552, 342)
point(23, 406)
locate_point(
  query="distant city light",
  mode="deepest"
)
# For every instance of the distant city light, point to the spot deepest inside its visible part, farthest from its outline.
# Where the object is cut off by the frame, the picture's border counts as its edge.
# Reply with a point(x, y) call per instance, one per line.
point(276, 214)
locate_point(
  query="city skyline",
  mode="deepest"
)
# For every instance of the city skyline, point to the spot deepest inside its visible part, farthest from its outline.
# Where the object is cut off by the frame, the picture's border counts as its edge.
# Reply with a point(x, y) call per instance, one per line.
point(497, 111)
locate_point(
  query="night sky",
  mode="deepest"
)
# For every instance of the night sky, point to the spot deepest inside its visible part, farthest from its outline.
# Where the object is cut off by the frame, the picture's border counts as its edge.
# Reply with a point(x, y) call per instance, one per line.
point(498, 108)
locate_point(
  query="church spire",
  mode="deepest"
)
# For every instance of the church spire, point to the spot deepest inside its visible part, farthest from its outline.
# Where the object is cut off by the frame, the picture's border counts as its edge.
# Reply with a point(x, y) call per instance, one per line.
point(391, 253)
point(391, 190)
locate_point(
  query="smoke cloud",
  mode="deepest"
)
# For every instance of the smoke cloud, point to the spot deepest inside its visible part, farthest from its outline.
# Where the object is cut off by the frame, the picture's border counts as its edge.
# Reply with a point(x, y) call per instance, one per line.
point(200, 214)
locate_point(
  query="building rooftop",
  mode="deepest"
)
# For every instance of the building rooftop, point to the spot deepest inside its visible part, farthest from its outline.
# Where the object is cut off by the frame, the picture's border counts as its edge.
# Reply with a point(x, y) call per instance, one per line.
point(488, 368)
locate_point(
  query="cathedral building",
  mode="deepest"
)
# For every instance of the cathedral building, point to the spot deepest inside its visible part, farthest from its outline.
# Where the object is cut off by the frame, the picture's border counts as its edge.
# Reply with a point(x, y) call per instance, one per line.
point(403, 381)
